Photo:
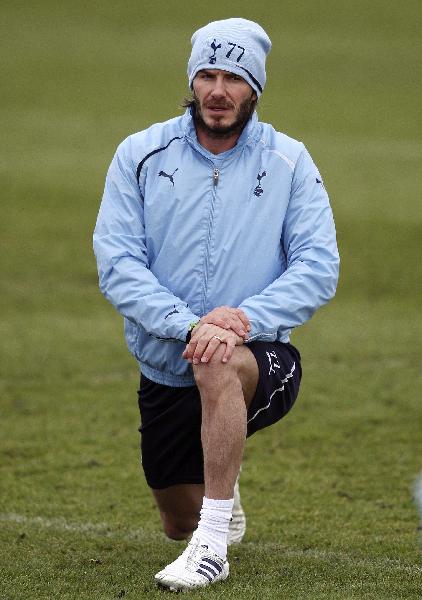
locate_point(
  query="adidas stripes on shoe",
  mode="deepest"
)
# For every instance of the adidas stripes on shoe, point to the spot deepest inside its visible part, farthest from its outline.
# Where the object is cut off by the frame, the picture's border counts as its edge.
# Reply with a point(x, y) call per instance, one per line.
point(196, 567)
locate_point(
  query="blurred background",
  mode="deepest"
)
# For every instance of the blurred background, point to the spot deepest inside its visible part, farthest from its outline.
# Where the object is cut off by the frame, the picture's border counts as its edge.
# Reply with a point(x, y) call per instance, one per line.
point(77, 78)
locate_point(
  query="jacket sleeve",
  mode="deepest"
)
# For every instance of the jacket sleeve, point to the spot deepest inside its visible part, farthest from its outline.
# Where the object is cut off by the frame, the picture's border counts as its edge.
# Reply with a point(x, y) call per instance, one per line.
point(120, 249)
point(309, 244)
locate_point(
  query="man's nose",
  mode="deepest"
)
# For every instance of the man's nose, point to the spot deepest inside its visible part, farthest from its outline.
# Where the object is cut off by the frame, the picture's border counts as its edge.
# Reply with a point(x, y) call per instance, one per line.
point(219, 89)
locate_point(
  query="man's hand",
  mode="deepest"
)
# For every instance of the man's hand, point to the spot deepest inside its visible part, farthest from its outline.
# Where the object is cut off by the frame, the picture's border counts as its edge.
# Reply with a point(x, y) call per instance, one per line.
point(205, 340)
point(228, 318)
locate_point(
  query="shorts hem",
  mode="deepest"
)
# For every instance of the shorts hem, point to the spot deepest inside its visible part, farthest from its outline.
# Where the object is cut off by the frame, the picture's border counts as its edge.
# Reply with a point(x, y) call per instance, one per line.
point(181, 481)
point(168, 379)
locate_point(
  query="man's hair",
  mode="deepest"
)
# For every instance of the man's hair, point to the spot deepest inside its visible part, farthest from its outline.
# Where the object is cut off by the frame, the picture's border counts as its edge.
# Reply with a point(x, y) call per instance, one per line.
point(189, 102)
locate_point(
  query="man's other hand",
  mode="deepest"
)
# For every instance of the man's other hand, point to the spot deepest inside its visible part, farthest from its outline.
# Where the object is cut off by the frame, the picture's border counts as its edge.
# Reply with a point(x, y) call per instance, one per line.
point(228, 318)
point(205, 340)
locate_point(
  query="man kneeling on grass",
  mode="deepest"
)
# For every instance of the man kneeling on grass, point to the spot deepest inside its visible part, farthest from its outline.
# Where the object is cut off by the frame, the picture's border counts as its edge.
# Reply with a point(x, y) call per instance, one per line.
point(214, 239)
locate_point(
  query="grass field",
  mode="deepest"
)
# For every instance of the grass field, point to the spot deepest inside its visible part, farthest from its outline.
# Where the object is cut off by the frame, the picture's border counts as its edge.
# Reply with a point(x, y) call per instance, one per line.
point(328, 492)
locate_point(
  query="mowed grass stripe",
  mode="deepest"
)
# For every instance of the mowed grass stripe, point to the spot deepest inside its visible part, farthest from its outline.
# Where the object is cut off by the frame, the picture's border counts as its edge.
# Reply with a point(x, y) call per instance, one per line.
point(105, 530)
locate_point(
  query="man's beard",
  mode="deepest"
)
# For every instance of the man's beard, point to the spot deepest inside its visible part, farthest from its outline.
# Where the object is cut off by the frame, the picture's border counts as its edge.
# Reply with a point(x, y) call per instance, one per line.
point(218, 131)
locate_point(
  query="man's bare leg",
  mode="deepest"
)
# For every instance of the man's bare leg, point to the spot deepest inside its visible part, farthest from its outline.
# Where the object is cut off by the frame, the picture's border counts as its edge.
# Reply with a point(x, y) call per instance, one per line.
point(226, 391)
point(179, 505)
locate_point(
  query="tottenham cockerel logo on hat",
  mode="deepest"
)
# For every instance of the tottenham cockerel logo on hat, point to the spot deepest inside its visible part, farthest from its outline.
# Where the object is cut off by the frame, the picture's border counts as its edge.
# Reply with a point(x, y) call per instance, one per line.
point(215, 47)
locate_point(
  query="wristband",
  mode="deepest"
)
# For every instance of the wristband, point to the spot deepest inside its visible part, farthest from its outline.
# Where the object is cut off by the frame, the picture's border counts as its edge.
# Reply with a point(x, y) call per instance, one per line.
point(191, 328)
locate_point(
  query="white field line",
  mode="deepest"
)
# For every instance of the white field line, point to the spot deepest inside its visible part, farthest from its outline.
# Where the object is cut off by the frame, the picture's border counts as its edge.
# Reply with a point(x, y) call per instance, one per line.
point(105, 530)
point(95, 529)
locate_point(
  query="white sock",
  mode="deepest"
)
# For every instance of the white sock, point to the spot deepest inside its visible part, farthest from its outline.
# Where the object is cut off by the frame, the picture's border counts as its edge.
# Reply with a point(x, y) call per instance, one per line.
point(213, 525)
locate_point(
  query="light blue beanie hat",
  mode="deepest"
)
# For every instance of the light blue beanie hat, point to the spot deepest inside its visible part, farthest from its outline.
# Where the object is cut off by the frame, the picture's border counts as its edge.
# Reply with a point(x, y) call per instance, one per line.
point(235, 45)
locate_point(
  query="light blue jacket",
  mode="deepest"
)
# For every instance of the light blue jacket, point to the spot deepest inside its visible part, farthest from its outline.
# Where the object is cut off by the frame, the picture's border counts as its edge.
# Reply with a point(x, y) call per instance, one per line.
point(181, 231)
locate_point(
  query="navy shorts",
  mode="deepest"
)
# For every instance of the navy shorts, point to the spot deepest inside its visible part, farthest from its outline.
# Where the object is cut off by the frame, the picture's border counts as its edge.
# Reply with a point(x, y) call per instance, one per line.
point(171, 417)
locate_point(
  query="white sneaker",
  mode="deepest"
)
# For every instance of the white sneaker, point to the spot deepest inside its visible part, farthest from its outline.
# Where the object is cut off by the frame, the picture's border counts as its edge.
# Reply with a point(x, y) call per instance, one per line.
point(237, 525)
point(196, 567)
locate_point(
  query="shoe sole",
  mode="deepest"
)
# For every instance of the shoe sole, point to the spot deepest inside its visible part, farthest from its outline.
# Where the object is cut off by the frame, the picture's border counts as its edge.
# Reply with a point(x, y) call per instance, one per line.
point(182, 586)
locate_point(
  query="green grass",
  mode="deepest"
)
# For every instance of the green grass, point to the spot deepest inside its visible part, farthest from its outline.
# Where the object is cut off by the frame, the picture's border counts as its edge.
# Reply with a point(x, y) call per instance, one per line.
point(328, 492)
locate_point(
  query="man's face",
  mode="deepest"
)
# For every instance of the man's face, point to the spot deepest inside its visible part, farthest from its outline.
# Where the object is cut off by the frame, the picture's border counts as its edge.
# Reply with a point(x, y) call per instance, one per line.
point(223, 101)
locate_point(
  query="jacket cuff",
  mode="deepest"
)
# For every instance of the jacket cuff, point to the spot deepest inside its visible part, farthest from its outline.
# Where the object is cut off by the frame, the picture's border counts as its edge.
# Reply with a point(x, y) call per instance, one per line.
point(183, 328)
point(258, 334)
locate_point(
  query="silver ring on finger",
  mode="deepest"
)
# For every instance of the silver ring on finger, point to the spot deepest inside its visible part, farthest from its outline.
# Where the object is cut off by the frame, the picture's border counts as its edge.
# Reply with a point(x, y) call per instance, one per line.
point(218, 338)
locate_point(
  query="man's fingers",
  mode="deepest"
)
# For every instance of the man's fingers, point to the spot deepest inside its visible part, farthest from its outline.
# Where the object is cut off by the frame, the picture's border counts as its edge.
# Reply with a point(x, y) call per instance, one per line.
point(205, 341)
point(200, 348)
point(213, 344)
point(243, 318)
point(230, 346)
point(216, 320)
point(238, 316)
point(199, 341)
point(190, 349)
point(228, 318)
point(238, 327)
point(232, 321)
point(221, 322)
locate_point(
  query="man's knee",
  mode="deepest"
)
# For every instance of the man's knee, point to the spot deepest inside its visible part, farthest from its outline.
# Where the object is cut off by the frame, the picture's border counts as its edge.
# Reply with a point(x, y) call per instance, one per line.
point(179, 507)
point(176, 528)
point(241, 371)
point(215, 373)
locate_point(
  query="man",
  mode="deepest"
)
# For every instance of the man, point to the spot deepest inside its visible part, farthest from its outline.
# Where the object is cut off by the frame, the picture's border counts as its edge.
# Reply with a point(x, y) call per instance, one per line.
point(214, 239)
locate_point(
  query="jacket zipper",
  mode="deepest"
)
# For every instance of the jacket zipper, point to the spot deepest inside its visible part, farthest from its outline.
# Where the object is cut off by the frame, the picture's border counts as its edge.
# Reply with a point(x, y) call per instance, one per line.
point(215, 179)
